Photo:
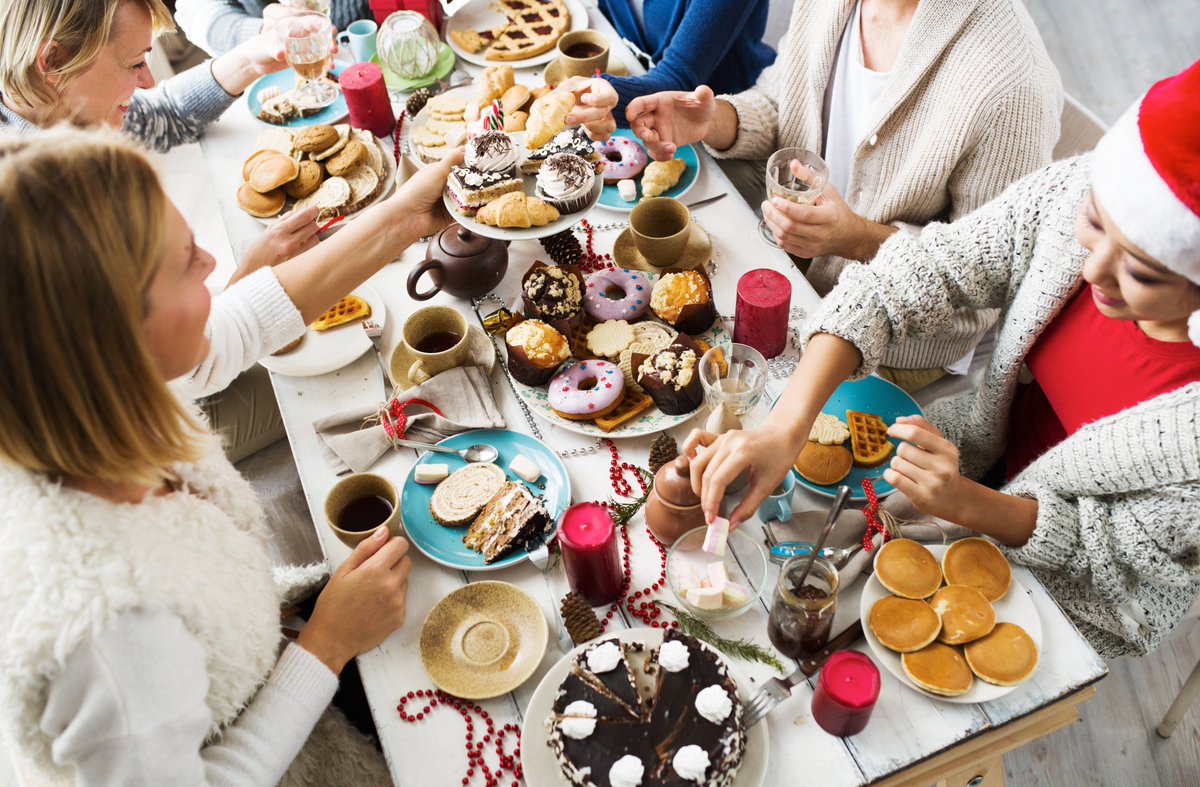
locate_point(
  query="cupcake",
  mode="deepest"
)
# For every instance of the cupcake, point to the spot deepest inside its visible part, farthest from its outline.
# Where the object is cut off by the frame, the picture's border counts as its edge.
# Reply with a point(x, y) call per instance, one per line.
point(671, 377)
point(492, 151)
point(573, 140)
point(565, 181)
point(552, 294)
point(535, 351)
point(684, 301)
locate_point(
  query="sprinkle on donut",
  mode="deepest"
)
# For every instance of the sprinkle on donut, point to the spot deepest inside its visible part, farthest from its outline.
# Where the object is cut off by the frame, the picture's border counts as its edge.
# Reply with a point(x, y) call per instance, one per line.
point(623, 158)
point(586, 390)
point(617, 294)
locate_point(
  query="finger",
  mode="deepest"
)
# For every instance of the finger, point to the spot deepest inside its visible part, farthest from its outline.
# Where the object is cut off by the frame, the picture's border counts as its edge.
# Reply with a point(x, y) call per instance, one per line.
point(756, 493)
point(917, 475)
point(366, 548)
point(388, 555)
point(402, 569)
point(901, 483)
point(719, 473)
point(916, 455)
point(918, 434)
point(308, 243)
point(697, 439)
point(584, 115)
point(800, 214)
point(703, 94)
point(600, 130)
point(919, 420)
point(699, 463)
point(296, 220)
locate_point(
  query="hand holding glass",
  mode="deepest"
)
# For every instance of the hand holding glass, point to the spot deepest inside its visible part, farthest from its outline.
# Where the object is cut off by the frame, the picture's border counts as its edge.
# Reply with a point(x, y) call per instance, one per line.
point(796, 175)
point(307, 42)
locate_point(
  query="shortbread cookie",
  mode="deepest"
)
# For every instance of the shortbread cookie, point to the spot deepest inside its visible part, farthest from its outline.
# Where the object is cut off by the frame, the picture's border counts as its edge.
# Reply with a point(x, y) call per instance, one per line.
point(447, 107)
point(829, 430)
point(610, 337)
point(277, 139)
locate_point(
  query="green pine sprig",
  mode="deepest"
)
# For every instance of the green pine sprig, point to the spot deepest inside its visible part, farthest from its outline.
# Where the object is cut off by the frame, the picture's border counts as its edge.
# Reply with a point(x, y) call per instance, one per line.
point(623, 512)
point(742, 648)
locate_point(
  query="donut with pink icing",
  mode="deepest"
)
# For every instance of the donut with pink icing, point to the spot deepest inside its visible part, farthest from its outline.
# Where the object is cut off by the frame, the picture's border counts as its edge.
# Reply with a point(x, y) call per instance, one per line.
point(586, 390)
point(617, 294)
point(623, 158)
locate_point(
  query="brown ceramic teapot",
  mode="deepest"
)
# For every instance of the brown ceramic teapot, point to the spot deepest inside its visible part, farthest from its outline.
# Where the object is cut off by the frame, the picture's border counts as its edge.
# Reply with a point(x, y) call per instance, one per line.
point(673, 508)
point(460, 263)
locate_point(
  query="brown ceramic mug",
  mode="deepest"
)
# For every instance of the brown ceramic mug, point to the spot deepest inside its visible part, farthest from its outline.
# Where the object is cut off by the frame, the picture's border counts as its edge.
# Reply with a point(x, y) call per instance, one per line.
point(581, 53)
point(661, 227)
point(358, 504)
point(437, 338)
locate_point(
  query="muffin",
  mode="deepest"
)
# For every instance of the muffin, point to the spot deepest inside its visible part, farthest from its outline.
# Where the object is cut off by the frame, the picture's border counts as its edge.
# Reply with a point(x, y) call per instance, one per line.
point(670, 376)
point(492, 151)
point(535, 351)
point(684, 301)
point(553, 294)
point(565, 181)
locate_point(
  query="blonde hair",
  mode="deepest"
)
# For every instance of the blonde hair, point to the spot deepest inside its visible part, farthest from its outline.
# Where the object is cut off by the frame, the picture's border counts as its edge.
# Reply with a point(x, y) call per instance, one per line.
point(80, 394)
point(80, 27)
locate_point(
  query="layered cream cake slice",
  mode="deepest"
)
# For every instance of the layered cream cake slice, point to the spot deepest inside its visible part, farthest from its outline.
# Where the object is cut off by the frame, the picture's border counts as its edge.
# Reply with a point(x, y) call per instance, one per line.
point(471, 189)
point(511, 517)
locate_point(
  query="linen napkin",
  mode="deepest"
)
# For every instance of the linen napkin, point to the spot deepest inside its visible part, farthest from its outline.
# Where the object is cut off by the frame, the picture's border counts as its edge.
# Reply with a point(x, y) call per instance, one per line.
point(355, 440)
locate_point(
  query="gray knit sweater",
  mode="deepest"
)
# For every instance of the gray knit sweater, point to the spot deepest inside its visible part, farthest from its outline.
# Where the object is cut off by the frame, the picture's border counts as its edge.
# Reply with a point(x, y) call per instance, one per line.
point(1117, 540)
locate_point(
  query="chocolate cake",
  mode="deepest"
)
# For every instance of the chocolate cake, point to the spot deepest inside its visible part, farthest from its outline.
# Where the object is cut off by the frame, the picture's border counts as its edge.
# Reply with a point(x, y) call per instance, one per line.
point(512, 517)
point(689, 730)
point(471, 189)
point(671, 376)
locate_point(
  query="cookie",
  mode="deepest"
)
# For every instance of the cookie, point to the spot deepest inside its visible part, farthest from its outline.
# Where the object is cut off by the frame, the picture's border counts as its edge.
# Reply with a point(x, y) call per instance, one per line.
point(315, 139)
point(374, 155)
point(829, 430)
point(447, 107)
point(347, 159)
point(277, 139)
point(610, 337)
point(625, 359)
point(306, 181)
point(653, 334)
point(259, 205)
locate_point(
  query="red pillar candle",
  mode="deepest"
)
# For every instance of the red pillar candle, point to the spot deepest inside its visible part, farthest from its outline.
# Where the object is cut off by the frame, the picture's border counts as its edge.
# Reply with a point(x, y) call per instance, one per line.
point(591, 557)
point(761, 318)
point(367, 98)
point(846, 692)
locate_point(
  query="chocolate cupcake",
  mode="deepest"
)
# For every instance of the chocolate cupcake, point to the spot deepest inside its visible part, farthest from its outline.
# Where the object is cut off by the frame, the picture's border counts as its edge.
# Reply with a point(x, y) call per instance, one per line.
point(554, 294)
point(535, 351)
point(683, 300)
point(671, 376)
point(566, 181)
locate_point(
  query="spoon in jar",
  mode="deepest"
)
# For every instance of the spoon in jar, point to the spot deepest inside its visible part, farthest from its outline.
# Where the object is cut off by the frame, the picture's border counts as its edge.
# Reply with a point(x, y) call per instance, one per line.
point(839, 502)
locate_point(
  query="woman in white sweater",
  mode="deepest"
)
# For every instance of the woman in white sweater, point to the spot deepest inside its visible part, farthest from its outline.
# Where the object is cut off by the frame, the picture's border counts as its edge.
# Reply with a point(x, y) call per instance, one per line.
point(1095, 262)
point(139, 624)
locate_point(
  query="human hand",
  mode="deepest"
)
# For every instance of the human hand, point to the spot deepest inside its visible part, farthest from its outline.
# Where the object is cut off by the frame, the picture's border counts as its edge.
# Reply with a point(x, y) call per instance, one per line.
point(362, 604)
point(594, 102)
point(417, 205)
point(666, 120)
point(925, 468)
point(295, 232)
point(827, 226)
point(765, 455)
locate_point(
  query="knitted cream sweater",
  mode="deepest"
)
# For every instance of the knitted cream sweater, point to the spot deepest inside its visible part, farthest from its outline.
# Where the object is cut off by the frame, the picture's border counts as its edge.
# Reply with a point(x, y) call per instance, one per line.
point(973, 103)
point(1117, 537)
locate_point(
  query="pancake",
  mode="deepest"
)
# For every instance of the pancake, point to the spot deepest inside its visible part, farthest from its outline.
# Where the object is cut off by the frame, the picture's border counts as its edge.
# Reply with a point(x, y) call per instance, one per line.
point(908, 569)
point(978, 564)
point(903, 624)
point(939, 669)
point(823, 464)
point(1005, 657)
point(966, 614)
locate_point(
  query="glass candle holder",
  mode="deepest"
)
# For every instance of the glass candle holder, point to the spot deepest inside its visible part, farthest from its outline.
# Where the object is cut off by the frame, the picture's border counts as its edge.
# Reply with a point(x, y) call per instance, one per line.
point(846, 691)
point(587, 537)
point(408, 45)
point(802, 615)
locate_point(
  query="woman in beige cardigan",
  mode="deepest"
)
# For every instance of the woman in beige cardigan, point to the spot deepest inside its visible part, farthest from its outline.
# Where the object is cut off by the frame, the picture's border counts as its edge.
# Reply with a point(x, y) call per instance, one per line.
point(962, 100)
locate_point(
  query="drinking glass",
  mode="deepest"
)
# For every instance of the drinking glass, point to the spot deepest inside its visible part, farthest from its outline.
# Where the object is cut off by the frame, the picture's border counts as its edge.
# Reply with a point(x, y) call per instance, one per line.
point(319, 6)
point(800, 183)
point(735, 377)
point(307, 42)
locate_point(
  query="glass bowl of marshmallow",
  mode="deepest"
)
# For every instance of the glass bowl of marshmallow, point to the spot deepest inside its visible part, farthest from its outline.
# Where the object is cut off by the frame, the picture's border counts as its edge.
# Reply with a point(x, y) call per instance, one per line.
point(714, 573)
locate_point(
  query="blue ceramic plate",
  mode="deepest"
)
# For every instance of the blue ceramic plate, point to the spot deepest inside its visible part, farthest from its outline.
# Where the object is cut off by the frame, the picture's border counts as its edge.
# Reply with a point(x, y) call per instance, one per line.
point(444, 544)
point(285, 80)
point(611, 198)
point(872, 395)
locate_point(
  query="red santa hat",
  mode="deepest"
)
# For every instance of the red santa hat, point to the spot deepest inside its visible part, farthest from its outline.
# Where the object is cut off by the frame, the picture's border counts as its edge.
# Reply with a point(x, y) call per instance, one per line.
point(1146, 174)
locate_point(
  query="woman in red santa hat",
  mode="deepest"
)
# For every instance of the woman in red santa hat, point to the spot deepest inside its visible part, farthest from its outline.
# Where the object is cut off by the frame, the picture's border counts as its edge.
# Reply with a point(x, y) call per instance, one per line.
point(1095, 262)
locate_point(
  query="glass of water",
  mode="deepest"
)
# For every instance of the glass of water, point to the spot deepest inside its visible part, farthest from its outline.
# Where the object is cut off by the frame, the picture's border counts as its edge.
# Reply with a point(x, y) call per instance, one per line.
point(796, 175)
point(307, 42)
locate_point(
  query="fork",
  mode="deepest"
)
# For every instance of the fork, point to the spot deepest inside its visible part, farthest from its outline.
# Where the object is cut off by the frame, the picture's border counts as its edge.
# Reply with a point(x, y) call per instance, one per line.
point(375, 334)
point(776, 690)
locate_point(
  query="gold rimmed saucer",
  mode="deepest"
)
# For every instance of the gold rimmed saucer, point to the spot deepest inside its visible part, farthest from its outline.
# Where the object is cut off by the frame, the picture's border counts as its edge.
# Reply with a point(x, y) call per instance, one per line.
point(483, 640)
point(697, 252)
point(553, 73)
point(483, 354)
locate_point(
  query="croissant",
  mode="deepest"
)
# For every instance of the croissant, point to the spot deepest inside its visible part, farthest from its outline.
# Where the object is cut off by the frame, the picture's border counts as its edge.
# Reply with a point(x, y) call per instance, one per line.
point(547, 117)
point(661, 176)
point(517, 209)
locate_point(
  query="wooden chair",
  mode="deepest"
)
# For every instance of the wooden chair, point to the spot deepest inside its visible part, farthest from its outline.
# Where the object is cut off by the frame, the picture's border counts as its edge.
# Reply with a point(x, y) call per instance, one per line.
point(1080, 132)
point(1191, 687)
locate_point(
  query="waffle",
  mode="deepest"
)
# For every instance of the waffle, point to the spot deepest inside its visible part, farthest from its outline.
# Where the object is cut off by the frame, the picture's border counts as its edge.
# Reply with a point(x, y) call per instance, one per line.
point(346, 310)
point(633, 404)
point(534, 27)
point(579, 345)
point(868, 438)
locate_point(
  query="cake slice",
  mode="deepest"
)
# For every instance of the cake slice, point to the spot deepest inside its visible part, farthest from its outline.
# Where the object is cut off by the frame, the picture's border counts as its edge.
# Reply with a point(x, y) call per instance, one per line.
point(606, 667)
point(467, 491)
point(471, 189)
point(573, 140)
point(511, 517)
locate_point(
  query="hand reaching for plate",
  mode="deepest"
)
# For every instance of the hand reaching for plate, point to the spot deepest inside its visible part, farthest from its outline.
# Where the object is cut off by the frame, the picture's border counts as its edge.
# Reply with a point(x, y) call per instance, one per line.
point(594, 102)
point(665, 121)
point(765, 455)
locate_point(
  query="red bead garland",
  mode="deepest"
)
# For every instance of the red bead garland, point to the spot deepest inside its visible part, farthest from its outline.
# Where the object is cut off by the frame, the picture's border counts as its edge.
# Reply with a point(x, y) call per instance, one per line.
point(396, 138)
point(591, 262)
point(475, 749)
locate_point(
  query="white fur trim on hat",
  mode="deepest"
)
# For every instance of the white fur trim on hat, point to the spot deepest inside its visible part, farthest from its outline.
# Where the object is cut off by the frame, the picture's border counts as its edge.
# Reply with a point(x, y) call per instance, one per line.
point(1194, 327)
point(1140, 202)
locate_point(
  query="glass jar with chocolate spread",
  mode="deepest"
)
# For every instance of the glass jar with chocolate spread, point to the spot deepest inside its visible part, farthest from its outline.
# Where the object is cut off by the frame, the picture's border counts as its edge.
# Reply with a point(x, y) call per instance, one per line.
point(802, 616)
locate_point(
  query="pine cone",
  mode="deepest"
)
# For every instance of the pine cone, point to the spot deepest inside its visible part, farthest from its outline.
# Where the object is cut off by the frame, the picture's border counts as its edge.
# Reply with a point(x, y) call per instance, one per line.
point(662, 450)
point(417, 101)
point(579, 619)
point(563, 248)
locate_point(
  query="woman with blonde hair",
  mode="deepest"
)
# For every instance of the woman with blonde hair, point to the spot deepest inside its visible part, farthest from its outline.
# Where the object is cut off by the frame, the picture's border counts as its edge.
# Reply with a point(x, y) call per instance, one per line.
point(139, 628)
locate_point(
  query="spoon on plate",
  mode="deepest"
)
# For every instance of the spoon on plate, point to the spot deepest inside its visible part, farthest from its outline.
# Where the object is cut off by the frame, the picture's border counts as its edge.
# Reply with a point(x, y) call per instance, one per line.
point(480, 452)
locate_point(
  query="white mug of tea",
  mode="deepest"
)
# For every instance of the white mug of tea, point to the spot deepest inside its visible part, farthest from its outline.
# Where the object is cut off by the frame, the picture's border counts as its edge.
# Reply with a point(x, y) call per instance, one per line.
point(438, 338)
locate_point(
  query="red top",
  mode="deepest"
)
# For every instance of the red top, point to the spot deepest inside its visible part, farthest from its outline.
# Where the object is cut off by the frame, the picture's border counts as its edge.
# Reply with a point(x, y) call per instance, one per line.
point(1087, 366)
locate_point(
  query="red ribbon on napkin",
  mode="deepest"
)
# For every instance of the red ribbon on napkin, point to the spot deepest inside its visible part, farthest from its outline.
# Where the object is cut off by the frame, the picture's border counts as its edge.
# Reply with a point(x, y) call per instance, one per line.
point(871, 510)
point(397, 415)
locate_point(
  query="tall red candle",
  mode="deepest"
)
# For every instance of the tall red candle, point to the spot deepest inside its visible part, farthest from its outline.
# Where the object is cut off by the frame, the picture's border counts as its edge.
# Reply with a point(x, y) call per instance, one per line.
point(761, 318)
point(591, 558)
point(846, 692)
point(367, 98)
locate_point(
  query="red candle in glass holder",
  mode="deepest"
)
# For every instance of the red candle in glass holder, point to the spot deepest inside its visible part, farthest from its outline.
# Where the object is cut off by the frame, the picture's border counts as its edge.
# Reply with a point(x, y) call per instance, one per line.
point(846, 692)
point(760, 320)
point(591, 558)
point(367, 99)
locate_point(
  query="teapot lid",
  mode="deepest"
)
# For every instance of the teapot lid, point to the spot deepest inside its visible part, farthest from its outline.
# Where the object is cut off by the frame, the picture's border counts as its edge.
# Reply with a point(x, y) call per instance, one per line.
point(458, 241)
point(673, 483)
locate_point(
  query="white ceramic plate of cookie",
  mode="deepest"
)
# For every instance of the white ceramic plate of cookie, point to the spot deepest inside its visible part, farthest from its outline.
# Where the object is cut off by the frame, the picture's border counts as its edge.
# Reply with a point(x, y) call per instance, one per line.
point(321, 352)
point(564, 221)
point(424, 141)
point(480, 15)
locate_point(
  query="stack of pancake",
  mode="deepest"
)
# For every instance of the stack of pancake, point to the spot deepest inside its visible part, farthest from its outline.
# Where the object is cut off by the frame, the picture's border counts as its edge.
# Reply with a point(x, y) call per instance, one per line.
point(947, 634)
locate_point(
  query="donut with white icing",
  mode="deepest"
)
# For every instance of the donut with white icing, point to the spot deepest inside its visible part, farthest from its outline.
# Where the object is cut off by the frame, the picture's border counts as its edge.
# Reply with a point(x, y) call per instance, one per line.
point(617, 294)
point(586, 390)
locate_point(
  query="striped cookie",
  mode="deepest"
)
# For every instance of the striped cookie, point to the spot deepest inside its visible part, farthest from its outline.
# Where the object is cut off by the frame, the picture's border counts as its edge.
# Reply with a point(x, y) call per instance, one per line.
point(374, 153)
point(364, 185)
point(331, 198)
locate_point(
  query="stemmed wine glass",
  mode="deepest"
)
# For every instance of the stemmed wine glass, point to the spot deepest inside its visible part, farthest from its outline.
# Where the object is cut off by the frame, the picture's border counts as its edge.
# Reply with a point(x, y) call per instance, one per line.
point(797, 175)
point(307, 42)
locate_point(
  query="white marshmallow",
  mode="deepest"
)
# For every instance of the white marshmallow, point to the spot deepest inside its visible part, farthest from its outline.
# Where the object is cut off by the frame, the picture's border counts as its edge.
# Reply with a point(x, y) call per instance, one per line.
point(525, 469)
point(627, 189)
point(431, 474)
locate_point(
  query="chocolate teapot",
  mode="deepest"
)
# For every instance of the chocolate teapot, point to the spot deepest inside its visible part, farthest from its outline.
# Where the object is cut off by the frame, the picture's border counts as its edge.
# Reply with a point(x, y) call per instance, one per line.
point(461, 263)
point(673, 508)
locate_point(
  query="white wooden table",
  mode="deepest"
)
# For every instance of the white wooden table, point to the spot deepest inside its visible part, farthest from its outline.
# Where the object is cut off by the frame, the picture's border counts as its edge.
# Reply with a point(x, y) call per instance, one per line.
point(910, 738)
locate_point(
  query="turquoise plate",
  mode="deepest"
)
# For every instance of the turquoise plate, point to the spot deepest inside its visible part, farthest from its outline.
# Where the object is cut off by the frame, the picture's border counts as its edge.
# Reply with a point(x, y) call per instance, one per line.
point(444, 544)
point(611, 198)
point(285, 80)
point(872, 395)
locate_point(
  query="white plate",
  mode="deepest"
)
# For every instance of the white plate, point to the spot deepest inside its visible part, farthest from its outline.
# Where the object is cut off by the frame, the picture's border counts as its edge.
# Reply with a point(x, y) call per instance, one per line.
point(389, 185)
point(1016, 607)
point(479, 15)
point(322, 352)
point(466, 92)
point(538, 760)
point(651, 421)
point(564, 222)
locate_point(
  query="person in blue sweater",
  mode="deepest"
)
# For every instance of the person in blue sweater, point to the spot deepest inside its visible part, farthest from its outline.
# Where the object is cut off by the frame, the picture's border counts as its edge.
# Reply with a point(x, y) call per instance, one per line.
point(691, 42)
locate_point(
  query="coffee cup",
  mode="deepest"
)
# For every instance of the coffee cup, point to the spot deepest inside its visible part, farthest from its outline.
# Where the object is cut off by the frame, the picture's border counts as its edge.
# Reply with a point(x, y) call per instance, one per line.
point(359, 37)
point(661, 227)
point(438, 338)
point(779, 503)
point(581, 53)
point(358, 504)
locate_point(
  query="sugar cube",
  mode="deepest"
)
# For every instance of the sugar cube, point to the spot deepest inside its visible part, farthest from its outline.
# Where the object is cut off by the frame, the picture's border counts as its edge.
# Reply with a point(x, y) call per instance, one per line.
point(718, 574)
point(525, 469)
point(734, 595)
point(705, 598)
point(627, 190)
point(714, 539)
point(431, 474)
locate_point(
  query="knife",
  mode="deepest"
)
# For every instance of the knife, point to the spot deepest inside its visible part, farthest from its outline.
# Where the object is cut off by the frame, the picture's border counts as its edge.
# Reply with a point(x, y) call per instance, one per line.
point(810, 664)
point(706, 200)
